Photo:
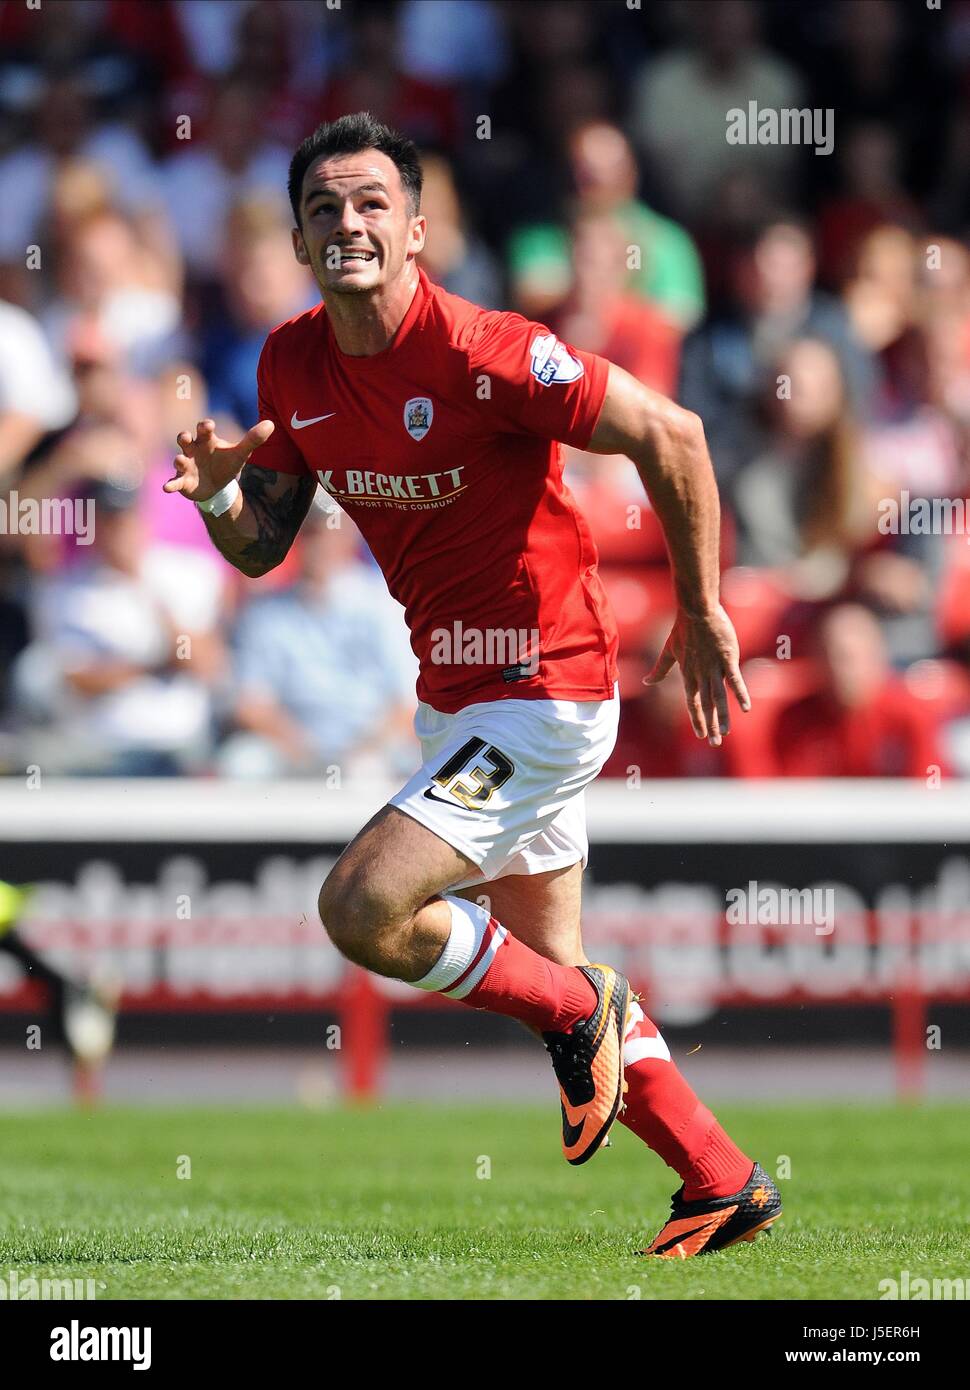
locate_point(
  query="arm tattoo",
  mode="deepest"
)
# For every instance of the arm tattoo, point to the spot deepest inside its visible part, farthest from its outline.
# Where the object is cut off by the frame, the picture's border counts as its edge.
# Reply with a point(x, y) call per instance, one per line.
point(277, 515)
point(277, 519)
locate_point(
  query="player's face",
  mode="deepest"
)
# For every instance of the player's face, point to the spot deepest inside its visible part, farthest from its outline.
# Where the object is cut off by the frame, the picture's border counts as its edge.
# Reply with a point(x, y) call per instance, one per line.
point(357, 233)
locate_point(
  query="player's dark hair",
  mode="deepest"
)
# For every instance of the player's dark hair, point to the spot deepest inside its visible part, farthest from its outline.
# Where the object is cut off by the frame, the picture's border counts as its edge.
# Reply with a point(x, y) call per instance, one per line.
point(351, 135)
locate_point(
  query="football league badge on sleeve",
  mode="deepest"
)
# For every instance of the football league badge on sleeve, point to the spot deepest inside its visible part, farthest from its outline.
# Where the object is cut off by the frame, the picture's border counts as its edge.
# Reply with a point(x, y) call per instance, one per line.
point(552, 361)
point(418, 414)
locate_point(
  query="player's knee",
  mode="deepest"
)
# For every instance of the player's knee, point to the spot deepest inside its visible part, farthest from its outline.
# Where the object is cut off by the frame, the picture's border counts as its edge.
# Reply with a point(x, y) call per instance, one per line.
point(356, 918)
point(343, 914)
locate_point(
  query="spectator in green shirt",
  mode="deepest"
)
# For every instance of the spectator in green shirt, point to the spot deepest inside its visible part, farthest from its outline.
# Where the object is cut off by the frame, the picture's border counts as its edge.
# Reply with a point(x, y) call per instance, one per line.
point(665, 266)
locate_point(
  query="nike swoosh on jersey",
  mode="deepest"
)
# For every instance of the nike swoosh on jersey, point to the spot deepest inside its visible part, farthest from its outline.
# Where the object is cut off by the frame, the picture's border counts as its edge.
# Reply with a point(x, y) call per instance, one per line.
point(302, 424)
point(429, 793)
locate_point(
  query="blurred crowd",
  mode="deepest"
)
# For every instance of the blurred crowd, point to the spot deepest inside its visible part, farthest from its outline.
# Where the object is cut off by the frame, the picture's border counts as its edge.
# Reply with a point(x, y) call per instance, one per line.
point(812, 308)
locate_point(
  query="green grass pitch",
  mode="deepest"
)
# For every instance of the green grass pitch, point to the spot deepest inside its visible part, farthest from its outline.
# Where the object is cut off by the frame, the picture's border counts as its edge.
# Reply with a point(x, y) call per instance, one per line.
point(417, 1202)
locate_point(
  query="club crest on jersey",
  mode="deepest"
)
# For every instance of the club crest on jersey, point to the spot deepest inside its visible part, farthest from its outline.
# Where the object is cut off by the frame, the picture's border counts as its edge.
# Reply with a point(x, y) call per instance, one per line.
point(551, 362)
point(418, 414)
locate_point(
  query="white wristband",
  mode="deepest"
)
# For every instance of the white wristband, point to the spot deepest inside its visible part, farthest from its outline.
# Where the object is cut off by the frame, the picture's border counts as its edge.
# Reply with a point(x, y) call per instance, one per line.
point(221, 501)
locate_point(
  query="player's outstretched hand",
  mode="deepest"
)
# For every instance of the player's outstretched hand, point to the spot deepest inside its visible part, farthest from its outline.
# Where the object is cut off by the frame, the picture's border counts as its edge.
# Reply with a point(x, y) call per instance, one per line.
point(706, 650)
point(205, 464)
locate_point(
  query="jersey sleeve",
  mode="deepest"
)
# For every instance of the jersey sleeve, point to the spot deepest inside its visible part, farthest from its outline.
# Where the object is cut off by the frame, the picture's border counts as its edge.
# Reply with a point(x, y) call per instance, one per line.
point(279, 452)
point(534, 383)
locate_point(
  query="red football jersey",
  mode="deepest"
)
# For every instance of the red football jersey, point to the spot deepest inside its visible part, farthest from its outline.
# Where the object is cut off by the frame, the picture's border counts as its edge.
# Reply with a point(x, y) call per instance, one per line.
point(443, 448)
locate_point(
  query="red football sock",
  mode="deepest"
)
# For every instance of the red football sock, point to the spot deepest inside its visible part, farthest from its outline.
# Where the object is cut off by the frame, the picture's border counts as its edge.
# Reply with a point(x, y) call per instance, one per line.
point(663, 1111)
point(536, 991)
point(486, 968)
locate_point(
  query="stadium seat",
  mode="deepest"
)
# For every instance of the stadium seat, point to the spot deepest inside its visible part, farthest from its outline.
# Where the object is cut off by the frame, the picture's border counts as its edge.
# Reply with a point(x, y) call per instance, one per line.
point(640, 596)
point(609, 510)
point(756, 605)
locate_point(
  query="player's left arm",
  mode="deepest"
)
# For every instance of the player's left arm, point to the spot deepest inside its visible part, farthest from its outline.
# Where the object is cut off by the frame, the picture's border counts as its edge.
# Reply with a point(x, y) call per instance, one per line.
point(668, 447)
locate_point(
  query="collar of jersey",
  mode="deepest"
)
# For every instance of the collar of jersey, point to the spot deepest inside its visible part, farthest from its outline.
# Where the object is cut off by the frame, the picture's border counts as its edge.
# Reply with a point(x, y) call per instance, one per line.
point(378, 359)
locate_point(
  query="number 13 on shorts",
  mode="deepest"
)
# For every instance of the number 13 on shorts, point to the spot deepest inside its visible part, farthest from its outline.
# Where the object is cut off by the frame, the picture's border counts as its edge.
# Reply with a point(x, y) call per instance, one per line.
point(482, 780)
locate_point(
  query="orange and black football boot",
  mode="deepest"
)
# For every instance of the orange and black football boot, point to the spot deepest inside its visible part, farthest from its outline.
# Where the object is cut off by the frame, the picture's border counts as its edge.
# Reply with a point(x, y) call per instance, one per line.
point(588, 1063)
point(714, 1223)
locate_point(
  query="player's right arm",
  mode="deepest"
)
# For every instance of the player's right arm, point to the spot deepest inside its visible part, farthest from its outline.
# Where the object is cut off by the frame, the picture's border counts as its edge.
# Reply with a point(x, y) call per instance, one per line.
point(260, 526)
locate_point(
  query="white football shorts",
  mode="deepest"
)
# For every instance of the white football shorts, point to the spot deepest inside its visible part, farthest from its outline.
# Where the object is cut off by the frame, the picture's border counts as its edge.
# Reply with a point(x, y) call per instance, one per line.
point(503, 781)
